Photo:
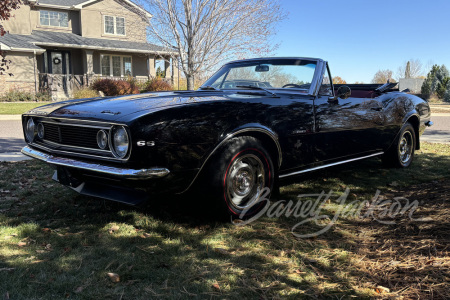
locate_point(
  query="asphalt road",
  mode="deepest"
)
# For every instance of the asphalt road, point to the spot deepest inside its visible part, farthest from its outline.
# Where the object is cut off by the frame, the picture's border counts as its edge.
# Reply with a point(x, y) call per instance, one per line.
point(440, 131)
point(11, 135)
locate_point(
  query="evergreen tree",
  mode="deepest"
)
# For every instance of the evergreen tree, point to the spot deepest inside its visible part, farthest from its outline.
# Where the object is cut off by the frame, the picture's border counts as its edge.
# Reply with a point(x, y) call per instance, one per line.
point(408, 70)
point(436, 82)
point(447, 93)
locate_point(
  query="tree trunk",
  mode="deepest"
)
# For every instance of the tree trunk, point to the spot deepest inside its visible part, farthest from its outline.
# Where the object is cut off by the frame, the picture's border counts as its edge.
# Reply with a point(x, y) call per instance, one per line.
point(190, 82)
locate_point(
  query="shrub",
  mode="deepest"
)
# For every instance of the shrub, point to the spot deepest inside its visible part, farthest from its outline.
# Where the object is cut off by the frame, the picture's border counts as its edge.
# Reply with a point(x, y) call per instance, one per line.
point(85, 93)
point(157, 85)
point(43, 96)
point(22, 96)
point(112, 87)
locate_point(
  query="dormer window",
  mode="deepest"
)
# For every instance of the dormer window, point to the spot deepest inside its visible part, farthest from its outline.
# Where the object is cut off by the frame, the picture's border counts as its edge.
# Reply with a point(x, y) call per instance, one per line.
point(114, 25)
point(54, 18)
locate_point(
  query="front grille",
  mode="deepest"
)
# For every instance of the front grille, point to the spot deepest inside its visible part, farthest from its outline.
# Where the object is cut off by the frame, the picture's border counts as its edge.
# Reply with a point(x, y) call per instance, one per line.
point(75, 136)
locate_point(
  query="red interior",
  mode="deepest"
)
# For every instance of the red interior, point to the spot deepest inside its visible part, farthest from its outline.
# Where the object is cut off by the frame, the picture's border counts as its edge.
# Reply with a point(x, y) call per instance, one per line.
point(361, 94)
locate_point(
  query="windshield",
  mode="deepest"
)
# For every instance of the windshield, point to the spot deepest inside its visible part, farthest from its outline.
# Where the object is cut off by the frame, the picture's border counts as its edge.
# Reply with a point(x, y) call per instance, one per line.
point(271, 73)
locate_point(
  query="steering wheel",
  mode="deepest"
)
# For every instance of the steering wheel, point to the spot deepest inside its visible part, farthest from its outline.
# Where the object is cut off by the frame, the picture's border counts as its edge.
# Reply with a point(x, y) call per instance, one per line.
point(291, 85)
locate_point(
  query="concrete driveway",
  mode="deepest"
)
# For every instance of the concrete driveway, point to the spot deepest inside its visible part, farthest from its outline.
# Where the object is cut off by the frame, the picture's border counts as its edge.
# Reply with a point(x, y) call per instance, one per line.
point(11, 135)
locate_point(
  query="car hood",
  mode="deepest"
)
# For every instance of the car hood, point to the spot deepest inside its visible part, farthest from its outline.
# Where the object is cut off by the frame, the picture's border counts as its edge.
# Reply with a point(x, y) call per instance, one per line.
point(116, 108)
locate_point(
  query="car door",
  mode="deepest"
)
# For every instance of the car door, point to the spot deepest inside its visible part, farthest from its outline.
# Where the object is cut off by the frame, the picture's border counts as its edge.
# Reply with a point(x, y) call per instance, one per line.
point(293, 119)
point(345, 127)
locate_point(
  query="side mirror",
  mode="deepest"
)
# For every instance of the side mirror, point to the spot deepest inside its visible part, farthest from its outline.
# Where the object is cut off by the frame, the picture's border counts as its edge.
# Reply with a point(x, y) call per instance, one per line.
point(343, 92)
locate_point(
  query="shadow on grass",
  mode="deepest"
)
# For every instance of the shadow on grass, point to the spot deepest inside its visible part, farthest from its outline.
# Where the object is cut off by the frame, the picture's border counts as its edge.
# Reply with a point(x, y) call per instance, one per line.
point(57, 244)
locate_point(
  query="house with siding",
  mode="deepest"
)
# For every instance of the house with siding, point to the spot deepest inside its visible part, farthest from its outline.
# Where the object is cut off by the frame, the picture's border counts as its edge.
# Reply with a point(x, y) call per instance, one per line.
point(60, 45)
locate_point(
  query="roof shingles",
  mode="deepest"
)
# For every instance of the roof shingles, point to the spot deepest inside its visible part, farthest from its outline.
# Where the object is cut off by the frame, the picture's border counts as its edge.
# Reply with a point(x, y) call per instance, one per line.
point(68, 3)
point(70, 40)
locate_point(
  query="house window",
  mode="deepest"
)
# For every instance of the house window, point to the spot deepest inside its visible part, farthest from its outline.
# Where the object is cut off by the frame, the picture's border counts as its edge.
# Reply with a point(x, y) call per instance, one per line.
point(114, 25)
point(53, 18)
point(116, 65)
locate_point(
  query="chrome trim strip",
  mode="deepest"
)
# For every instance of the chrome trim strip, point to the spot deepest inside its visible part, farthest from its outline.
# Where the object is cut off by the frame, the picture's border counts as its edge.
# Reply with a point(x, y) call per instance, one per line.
point(114, 171)
point(74, 147)
point(229, 136)
point(330, 165)
point(81, 154)
point(76, 121)
point(76, 125)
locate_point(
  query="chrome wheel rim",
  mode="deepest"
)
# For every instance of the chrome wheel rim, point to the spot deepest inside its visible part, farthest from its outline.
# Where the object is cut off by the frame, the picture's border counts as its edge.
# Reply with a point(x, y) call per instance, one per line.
point(245, 181)
point(405, 147)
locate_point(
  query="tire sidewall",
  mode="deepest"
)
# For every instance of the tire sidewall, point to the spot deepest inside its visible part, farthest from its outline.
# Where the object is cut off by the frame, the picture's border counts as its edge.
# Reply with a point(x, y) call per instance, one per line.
point(407, 127)
point(220, 170)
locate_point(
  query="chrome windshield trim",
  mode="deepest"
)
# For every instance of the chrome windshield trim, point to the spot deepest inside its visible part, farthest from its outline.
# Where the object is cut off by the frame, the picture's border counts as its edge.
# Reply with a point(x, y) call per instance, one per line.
point(330, 165)
point(94, 167)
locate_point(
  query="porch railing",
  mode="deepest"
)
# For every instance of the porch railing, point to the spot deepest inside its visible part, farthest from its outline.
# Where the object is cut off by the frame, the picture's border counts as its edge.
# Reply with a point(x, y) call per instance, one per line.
point(62, 87)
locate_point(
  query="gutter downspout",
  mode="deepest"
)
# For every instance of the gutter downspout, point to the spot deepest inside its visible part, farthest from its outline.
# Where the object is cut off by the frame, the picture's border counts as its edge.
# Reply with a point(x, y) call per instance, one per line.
point(34, 66)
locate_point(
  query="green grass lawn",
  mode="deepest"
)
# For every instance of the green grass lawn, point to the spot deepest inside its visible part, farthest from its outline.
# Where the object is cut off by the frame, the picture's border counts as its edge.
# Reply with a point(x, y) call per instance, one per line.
point(18, 108)
point(57, 244)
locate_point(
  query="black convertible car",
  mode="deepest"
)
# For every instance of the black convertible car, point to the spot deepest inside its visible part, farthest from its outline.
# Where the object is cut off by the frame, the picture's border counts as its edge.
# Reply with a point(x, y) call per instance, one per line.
point(251, 123)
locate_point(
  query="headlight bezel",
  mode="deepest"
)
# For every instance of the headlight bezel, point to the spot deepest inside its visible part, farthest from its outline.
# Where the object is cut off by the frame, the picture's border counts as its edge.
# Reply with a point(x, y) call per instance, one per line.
point(112, 145)
point(30, 136)
point(40, 126)
point(102, 135)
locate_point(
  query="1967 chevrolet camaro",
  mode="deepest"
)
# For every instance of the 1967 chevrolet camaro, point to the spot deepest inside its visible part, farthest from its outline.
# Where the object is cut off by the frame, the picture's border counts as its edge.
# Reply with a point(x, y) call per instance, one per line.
point(253, 122)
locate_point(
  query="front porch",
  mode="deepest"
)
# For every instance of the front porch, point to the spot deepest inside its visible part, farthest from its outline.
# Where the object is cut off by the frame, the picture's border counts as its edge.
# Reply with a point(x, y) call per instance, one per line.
point(63, 71)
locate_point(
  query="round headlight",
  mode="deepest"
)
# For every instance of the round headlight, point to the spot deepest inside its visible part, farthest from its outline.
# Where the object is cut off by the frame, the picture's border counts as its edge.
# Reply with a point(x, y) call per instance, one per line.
point(102, 139)
point(30, 130)
point(120, 141)
point(40, 130)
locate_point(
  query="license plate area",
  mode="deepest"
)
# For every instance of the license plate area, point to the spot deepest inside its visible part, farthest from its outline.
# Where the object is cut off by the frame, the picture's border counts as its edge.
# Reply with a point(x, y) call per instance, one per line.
point(64, 176)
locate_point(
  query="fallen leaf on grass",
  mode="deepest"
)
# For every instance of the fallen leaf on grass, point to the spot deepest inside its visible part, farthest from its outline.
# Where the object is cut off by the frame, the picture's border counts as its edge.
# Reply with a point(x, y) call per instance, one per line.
point(78, 290)
point(381, 289)
point(114, 277)
point(221, 251)
point(298, 271)
point(114, 228)
point(21, 244)
point(216, 286)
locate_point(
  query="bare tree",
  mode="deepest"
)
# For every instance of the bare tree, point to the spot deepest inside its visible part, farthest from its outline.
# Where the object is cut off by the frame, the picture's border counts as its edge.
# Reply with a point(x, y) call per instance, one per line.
point(382, 76)
point(415, 69)
point(6, 6)
point(203, 33)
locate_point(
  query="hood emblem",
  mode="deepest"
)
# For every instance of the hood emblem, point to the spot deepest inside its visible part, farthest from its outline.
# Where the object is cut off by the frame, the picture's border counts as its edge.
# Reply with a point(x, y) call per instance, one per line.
point(108, 112)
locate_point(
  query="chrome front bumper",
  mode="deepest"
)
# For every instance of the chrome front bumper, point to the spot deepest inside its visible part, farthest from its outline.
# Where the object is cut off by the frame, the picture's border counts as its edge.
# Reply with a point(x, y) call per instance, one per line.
point(107, 170)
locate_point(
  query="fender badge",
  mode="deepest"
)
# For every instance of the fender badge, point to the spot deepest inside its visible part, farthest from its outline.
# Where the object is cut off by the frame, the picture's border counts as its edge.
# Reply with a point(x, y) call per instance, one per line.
point(144, 143)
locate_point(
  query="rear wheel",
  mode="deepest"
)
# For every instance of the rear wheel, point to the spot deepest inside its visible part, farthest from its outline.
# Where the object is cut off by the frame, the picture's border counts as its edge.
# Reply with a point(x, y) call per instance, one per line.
point(401, 153)
point(239, 176)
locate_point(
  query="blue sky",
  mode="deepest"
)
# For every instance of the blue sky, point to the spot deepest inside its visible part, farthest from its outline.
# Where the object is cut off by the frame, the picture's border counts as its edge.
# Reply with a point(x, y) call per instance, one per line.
point(358, 38)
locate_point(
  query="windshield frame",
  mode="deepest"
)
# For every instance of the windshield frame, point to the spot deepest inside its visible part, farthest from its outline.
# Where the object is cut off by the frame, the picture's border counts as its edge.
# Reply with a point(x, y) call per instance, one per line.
point(314, 81)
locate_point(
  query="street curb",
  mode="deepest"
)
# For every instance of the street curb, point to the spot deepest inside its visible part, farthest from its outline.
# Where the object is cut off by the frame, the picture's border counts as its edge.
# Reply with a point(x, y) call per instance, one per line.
point(440, 115)
point(10, 117)
point(13, 157)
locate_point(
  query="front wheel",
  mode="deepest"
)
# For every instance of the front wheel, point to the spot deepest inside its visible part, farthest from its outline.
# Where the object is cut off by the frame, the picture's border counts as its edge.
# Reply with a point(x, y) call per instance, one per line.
point(401, 153)
point(240, 176)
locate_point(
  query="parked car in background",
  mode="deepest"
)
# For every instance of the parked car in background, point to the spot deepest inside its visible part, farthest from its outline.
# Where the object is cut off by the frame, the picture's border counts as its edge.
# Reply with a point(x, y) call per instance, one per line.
point(253, 122)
